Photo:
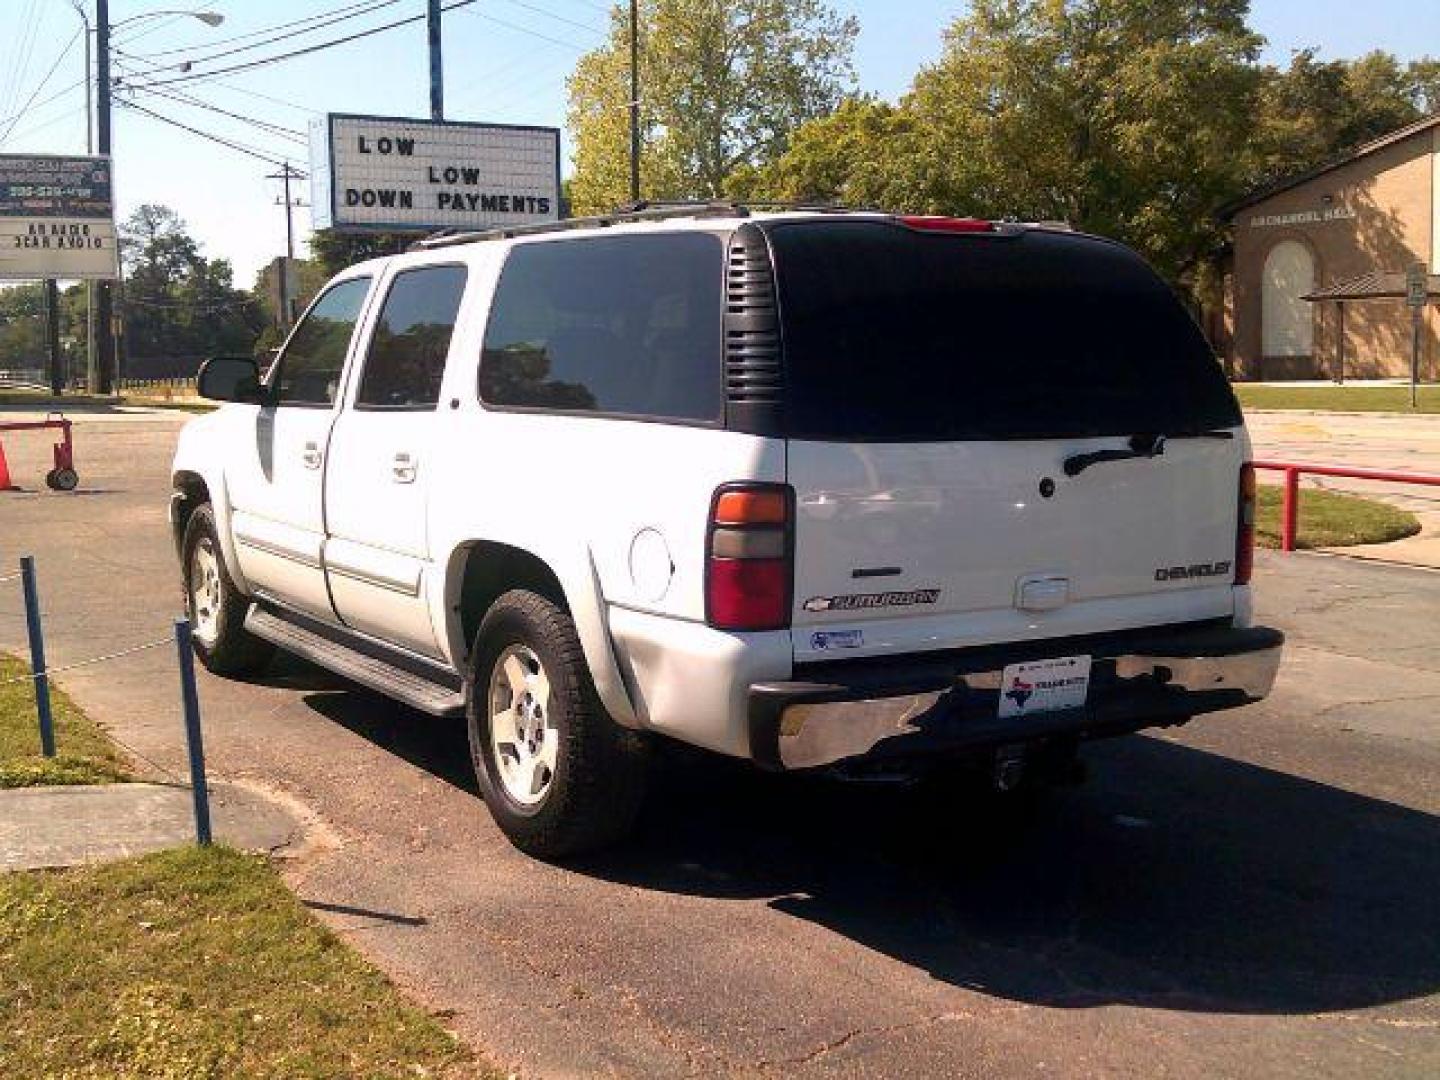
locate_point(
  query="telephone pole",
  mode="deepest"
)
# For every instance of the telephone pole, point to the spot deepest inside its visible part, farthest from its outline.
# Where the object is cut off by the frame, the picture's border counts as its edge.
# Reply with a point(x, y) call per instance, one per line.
point(100, 378)
point(634, 101)
point(437, 74)
point(286, 307)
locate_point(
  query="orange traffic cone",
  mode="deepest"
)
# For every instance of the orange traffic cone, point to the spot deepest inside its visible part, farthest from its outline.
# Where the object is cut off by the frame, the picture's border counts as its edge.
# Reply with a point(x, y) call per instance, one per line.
point(5, 484)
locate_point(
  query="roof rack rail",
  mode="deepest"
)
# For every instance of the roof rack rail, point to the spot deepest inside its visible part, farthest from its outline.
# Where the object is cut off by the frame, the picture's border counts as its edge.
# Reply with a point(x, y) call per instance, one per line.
point(638, 212)
point(631, 212)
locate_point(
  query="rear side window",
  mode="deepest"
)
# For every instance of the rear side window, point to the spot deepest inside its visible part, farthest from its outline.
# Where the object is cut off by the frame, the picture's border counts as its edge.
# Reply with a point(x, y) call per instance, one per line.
point(406, 360)
point(891, 334)
point(625, 325)
point(313, 359)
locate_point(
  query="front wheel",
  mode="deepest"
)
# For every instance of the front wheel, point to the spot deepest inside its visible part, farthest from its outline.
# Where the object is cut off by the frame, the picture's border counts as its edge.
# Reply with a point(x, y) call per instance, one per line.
point(215, 607)
point(558, 774)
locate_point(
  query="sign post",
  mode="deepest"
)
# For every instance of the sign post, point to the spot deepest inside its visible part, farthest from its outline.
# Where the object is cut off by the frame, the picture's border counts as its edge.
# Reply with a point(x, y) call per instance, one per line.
point(397, 174)
point(1417, 288)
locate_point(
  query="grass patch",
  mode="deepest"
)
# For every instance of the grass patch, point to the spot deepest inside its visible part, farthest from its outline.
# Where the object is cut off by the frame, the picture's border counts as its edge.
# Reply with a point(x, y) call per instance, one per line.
point(84, 754)
point(1338, 398)
point(1331, 520)
point(38, 401)
point(194, 963)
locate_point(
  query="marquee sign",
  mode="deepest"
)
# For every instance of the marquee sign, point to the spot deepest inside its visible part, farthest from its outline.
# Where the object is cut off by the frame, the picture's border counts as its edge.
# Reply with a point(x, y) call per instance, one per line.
point(397, 174)
point(57, 218)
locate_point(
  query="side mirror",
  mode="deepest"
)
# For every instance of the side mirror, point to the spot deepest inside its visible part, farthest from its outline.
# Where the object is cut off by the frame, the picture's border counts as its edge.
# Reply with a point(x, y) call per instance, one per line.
point(230, 378)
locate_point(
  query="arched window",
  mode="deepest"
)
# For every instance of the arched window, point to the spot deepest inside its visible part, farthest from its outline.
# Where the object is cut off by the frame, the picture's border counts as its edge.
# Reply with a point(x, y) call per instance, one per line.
point(1287, 323)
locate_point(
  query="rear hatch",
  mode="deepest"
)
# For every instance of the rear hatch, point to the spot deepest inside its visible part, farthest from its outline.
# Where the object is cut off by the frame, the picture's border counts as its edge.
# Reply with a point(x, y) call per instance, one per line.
point(937, 384)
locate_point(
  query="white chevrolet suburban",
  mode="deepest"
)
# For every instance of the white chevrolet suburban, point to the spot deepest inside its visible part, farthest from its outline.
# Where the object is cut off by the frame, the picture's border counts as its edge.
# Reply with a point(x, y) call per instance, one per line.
point(808, 488)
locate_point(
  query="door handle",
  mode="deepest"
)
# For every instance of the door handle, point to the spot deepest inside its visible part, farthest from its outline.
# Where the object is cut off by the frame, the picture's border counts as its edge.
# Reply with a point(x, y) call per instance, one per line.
point(404, 468)
point(312, 456)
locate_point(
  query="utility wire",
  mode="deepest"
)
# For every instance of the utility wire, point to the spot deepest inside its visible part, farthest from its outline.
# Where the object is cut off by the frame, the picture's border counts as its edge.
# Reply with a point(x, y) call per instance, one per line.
point(367, 5)
point(267, 60)
point(58, 94)
point(239, 147)
point(266, 126)
point(375, 6)
point(40, 86)
point(530, 33)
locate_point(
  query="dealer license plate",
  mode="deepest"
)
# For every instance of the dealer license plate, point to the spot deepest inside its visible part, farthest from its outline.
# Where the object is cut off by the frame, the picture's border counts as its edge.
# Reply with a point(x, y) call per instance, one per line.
point(1038, 686)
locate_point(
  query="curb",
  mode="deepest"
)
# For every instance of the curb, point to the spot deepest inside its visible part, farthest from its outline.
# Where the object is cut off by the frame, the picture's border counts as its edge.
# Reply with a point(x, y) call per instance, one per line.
point(1342, 412)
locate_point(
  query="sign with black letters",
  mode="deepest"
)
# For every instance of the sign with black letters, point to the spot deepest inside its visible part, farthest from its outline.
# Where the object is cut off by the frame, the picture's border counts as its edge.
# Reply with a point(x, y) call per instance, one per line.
point(399, 174)
point(57, 218)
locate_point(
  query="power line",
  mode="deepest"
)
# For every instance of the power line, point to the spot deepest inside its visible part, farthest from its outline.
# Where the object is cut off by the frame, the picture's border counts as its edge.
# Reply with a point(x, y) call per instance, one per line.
point(368, 5)
point(236, 146)
point(557, 17)
point(41, 85)
point(264, 125)
point(53, 97)
point(375, 5)
point(530, 33)
point(267, 60)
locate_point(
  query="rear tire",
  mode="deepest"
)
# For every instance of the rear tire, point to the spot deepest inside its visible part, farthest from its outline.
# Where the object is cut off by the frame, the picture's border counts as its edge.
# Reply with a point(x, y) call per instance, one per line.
point(559, 775)
point(215, 607)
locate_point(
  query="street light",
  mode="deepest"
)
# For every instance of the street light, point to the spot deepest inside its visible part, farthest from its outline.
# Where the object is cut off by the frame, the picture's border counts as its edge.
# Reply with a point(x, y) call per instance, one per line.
point(209, 18)
point(105, 368)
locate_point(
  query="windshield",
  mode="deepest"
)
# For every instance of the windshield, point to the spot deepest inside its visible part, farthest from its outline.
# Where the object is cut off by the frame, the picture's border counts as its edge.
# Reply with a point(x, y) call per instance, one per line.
point(900, 335)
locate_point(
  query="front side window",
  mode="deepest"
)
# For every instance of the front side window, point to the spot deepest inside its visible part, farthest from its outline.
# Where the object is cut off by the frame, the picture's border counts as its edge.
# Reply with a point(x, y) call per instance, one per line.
point(406, 359)
point(626, 325)
point(309, 368)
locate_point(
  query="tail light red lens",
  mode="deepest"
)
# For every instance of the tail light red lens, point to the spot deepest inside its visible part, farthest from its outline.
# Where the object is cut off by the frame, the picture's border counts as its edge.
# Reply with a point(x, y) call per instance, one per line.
point(930, 223)
point(748, 557)
point(1245, 527)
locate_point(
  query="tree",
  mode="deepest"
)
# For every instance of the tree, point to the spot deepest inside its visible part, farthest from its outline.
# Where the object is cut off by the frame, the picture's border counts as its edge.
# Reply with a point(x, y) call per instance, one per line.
point(724, 85)
point(334, 251)
point(1315, 111)
point(178, 303)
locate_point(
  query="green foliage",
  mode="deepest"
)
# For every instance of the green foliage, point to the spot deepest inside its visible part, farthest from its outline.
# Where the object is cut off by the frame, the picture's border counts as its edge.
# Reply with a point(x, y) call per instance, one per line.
point(1314, 111)
point(1136, 119)
point(84, 754)
point(333, 251)
point(176, 301)
point(1346, 398)
point(1329, 519)
point(194, 963)
point(723, 87)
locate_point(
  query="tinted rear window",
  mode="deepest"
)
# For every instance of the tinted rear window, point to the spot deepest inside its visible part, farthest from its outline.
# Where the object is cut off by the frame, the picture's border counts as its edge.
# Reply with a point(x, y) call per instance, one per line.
point(893, 334)
point(626, 325)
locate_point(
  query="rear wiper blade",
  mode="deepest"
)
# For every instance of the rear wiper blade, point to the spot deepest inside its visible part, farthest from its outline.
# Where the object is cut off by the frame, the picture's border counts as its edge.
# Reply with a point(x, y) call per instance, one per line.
point(1144, 445)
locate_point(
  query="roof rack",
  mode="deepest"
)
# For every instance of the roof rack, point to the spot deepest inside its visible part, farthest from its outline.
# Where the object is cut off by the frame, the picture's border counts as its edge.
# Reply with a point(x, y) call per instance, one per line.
point(631, 212)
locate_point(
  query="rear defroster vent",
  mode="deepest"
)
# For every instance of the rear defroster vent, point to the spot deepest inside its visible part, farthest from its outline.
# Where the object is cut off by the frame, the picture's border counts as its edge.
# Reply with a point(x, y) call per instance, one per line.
point(754, 373)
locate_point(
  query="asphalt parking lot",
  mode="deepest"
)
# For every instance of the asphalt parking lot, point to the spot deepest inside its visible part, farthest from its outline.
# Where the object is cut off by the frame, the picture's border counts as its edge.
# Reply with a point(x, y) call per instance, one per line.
point(1257, 893)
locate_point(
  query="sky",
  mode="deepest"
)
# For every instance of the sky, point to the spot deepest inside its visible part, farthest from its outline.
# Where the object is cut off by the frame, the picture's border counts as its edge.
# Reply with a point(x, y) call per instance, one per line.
point(505, 61)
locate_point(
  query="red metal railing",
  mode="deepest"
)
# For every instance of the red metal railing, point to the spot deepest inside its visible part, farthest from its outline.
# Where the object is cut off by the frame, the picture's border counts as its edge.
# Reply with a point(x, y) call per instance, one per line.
point(1290, 504)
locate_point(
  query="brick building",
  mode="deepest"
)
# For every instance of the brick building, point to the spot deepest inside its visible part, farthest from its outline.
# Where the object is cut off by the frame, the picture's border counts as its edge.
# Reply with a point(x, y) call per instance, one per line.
point(1342, 235)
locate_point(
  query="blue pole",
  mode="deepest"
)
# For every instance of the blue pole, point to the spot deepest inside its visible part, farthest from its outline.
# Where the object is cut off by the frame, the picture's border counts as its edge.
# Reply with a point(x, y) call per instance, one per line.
point(193, 742)
point(37, 656)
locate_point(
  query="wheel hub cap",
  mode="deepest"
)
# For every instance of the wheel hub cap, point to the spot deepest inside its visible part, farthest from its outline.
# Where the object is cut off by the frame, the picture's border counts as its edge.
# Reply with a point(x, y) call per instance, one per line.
point(205, 591)
point(523, 740)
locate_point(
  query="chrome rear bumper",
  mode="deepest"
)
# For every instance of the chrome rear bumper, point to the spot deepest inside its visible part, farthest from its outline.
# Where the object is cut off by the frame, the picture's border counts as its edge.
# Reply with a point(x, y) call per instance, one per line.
point(799, 725)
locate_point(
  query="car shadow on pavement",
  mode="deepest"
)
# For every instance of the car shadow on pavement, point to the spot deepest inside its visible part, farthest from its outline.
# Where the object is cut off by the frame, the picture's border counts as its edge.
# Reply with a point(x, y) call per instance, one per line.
point(439, 746)
point(1175, 879)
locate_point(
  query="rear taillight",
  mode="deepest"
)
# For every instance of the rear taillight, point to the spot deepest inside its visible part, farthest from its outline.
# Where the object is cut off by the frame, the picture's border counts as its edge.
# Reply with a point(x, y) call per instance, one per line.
point(748, 556)
point(1245, 527)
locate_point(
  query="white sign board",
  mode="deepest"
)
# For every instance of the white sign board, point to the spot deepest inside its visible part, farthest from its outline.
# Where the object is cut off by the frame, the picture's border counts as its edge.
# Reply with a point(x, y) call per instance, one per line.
point(375, 172)
point(56, 218)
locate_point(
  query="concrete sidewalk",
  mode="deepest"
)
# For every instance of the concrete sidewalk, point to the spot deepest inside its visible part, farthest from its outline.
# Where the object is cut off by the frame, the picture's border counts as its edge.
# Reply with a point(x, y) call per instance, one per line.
point(64, 826)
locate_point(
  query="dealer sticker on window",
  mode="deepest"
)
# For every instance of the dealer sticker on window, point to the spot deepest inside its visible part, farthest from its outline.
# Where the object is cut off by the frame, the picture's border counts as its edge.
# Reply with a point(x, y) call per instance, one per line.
point(1038, 686)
